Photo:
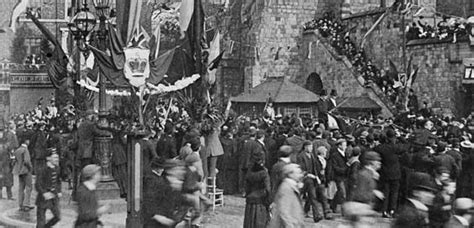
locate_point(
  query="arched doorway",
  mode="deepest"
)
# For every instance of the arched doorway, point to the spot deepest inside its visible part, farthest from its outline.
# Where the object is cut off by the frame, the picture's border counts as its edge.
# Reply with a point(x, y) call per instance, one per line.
point(314, 83)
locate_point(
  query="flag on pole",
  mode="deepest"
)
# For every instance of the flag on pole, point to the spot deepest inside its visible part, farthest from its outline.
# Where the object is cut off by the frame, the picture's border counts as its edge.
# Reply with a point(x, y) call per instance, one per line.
point(185, 15)
point(364, 39)
point(214, 52)
point(57, 67)
point(18, 9)
point(332, 122)
point(128, 18)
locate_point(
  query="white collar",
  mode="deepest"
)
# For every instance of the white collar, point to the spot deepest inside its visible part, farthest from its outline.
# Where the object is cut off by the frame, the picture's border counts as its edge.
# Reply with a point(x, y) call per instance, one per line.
point(287, 160)
point(261, 141)
point(419, 205)
point(341, 152)
point(89, 185)
point(462, 220)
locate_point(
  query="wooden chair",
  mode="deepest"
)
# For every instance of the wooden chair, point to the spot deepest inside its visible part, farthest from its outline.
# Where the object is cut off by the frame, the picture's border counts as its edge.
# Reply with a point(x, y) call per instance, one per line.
point(216, 195)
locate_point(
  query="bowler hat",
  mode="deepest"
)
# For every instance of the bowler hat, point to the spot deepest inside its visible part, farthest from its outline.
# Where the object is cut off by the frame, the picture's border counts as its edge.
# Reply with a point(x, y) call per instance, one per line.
point(307, 143)
point(390, 133)
point(422, 181)
point(372, 156)
point(285, 151)
point(333, 92)
point(350, 138)
point(340, 141)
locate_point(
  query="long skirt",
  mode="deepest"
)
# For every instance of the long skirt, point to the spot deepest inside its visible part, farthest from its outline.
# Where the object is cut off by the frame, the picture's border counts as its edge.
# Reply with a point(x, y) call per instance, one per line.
point(119, 172)
point(256, 216)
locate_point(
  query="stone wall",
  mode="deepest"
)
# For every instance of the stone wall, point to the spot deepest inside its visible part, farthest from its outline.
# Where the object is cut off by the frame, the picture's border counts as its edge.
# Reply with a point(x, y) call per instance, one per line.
point(334, 70)
point(439, 77)
point(274, 40)
point(460, 8)
point(24, 99)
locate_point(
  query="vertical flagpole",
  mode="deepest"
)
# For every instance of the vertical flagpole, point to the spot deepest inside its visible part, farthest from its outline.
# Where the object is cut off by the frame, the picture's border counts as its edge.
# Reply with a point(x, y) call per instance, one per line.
point(198, 26)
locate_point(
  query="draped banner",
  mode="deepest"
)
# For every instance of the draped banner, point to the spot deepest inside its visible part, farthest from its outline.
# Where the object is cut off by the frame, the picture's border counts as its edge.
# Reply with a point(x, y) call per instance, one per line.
point(58, 62)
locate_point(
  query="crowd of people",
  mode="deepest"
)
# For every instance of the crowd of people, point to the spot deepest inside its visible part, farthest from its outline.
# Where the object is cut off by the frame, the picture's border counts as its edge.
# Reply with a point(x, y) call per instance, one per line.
point(415, 168)
point(446, 29)
point(339, 36)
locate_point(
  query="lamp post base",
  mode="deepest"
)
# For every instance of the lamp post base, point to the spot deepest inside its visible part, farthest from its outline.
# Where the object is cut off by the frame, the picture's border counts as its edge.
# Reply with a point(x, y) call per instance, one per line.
point(108, 190)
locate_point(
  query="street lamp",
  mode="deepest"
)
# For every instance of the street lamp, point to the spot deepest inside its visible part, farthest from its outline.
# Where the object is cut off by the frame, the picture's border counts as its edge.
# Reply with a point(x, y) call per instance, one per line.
point(81, 26)
point(102, 7)
point(84, 21)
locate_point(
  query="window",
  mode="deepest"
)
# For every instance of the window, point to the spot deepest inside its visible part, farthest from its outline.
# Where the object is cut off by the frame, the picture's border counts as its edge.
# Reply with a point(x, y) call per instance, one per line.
point(305, 111)
point(33, 46)
point(290, 111)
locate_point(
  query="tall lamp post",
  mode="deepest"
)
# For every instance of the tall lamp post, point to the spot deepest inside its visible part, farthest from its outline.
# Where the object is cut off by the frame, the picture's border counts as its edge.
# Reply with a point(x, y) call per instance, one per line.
point(81, 26)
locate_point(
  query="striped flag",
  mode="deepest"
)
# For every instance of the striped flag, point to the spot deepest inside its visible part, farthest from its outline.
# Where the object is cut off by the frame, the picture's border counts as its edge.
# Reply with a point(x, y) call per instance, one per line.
point(128, 17)
point(214, 52)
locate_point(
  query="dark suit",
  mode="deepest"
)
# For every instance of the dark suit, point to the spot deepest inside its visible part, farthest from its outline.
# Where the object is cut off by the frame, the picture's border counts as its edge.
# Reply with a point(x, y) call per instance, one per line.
point(448, 162)
point(159, 199)
point(272, 152)
point(256, 149)
point(296, 143)
point(337, 171)
point(322, 106)
point(364, 185)
point(456, 154)
point(46, 183)
point(39, 149)
point(411, 217)
point(166, 147)
point(390, 174)
point(307, 164)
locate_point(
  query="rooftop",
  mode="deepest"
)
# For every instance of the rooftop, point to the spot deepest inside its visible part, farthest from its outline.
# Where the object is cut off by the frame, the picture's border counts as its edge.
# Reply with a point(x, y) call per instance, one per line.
point(280, 90)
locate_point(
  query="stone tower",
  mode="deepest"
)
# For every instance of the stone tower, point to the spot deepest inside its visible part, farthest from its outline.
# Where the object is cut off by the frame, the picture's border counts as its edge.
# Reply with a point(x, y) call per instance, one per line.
point(272, 39)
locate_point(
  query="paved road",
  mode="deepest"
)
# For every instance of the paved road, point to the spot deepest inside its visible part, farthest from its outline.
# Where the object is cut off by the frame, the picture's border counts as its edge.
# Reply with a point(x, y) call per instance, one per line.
point(229, 216)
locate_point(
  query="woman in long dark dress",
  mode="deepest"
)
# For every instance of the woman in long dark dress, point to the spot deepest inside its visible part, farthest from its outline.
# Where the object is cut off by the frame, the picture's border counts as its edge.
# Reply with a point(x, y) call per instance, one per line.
point(257, 196)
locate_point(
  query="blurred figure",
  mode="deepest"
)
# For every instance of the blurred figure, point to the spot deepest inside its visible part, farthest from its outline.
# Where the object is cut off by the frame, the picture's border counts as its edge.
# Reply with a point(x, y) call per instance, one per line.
point(288, 211)
point(23, 168)
point(276, 174)
point(414, 213)
point(88, 209)
point(48, 186)
point(162, 194)
point(6, 175)
point(462, 217)
point(364, 190)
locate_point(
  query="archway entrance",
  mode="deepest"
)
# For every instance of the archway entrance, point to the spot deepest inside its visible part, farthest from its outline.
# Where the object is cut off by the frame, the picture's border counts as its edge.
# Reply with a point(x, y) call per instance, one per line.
point(314, 83)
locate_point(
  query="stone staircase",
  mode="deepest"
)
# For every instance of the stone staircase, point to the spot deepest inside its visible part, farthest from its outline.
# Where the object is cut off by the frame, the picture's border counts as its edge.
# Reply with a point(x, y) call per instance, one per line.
point(371, 88)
